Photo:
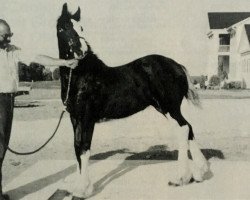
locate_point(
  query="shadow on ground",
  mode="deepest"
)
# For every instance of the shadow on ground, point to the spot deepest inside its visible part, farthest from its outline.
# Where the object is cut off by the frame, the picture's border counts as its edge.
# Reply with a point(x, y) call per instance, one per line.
point(155, 154)
point(27, 104)
point(32, 187)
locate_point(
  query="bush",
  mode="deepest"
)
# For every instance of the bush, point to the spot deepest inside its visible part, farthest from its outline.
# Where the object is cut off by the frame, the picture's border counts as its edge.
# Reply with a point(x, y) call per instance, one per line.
point(36, 71)
point(33, 72)
point(214, 80)
point(24, 72)
point(56, 74)
point(47, 75)
point(199, 80)
point(233, 85)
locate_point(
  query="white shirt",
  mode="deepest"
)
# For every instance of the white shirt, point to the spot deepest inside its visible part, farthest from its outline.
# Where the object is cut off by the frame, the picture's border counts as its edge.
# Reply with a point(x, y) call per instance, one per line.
point(9, 69)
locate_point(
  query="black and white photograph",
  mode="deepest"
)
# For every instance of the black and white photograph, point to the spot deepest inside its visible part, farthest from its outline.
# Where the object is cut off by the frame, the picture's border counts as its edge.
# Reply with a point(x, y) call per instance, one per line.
point(124, 99)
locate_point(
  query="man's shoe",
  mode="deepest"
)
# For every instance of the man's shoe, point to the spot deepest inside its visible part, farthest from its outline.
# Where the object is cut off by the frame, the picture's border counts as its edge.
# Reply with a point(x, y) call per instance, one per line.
point(4, 197)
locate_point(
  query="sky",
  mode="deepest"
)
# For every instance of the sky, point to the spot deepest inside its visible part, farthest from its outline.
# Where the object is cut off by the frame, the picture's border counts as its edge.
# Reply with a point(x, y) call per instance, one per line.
point(120, 31)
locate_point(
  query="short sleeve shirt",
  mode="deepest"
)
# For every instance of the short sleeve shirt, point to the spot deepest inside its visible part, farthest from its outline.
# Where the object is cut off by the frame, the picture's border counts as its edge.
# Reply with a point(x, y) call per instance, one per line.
point(9, 68)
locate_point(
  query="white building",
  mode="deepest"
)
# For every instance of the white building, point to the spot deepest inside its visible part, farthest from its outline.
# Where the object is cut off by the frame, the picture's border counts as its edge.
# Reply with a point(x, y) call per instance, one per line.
point(229, 46)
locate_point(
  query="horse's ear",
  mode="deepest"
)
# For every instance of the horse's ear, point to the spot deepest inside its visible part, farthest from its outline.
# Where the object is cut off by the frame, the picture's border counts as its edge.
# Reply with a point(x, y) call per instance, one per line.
point(65, 10)
point(77, 15)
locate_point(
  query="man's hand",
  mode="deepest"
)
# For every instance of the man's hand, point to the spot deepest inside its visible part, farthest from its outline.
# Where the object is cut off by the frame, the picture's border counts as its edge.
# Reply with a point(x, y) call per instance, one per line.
point(73, 63)
point(12, 48)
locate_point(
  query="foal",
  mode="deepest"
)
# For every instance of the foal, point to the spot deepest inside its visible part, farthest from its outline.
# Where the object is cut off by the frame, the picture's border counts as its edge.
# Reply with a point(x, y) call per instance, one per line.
point(95, 92)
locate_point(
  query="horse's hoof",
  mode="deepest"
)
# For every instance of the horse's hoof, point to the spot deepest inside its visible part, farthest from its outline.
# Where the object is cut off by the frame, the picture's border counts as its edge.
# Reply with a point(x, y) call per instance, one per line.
point(199, 171)
point(183, 180)
point(180, 182)
point(89, 190)
point(68, 183)
point(83, 194)
point(77, 198)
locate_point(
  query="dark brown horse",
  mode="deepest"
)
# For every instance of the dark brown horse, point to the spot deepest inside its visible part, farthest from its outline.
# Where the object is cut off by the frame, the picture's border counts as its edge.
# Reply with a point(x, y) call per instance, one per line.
point(96, 92)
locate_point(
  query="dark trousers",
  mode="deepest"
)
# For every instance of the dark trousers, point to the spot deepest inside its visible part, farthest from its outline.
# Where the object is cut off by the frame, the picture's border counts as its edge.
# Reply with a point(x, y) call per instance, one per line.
point(6, 117)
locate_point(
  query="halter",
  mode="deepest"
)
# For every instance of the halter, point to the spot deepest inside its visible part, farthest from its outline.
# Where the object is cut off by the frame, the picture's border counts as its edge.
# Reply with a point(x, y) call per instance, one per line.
point(68, 88)
point(71, 70)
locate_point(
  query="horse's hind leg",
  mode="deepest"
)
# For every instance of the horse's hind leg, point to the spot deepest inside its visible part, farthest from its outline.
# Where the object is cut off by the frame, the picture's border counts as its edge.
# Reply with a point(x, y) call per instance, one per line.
point(200, 165)
point(187, 169)
point(182, 132)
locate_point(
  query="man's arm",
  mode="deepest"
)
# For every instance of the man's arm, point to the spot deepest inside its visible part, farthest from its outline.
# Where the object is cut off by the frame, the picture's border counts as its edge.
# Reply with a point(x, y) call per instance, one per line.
point(49, 61)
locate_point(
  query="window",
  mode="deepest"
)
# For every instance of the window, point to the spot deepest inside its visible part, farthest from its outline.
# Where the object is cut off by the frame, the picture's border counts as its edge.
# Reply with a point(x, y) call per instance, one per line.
point(248, 65)
point(224, 39)
point(243, 65)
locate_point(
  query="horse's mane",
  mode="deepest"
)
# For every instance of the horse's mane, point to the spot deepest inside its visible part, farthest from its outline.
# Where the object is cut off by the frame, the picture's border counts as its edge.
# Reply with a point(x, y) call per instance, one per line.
point(91, 62)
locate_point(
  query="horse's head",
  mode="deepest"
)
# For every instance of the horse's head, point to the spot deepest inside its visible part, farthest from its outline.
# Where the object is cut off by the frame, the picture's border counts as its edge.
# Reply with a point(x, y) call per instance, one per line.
point(69, 33)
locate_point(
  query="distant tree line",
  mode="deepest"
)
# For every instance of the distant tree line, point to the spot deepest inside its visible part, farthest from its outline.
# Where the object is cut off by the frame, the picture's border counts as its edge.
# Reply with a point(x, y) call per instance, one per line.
point(36, 72)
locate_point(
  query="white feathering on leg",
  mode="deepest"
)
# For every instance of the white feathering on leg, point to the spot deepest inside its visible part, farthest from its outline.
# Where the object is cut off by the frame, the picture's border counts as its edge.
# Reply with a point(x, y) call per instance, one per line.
point(83, 187)
point(200, 164)
point(184, 174)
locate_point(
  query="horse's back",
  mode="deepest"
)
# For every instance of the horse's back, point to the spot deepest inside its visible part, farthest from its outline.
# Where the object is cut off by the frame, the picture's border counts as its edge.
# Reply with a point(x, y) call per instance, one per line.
point(132, 87)
point(165, 75)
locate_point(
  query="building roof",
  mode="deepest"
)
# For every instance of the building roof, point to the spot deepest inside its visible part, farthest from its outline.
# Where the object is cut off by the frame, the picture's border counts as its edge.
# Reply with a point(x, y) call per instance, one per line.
point(220, 20)
point(247, 27)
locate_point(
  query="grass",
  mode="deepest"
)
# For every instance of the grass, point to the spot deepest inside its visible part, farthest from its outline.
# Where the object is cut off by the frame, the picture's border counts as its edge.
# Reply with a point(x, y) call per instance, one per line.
point(41, 90)
point(44, 100)
point(51, 90)
point(224, 94)
point(42, 84)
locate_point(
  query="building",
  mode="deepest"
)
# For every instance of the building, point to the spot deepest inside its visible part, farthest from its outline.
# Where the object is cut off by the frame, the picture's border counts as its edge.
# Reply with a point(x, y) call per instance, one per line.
point(229, 46)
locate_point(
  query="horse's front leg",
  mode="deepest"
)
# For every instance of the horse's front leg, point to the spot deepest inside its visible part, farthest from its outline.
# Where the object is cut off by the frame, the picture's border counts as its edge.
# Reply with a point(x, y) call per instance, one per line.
point(82, 143)
point(79, 183)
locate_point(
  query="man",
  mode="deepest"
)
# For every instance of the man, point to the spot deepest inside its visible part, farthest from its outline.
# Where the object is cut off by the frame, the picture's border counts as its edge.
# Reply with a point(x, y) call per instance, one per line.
point(10, 55)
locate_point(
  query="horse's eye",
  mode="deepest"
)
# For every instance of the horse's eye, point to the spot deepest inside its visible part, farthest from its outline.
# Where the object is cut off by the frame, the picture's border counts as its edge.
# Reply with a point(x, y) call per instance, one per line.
point(81, 28)
point(67, 26)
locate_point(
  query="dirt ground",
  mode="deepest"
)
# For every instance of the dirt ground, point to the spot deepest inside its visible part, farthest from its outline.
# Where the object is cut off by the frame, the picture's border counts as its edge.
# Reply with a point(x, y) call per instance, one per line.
point(221, 127)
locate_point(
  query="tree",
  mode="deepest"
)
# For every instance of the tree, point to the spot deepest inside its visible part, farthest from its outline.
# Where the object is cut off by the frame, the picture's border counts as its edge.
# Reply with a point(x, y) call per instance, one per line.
point(214, 80)
point(24, 72)
point(47, 75)
point(37, 72)
point(56, 74)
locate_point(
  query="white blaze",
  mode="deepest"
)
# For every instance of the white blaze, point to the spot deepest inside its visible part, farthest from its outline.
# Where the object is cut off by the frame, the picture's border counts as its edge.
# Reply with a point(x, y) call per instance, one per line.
point(78, 28)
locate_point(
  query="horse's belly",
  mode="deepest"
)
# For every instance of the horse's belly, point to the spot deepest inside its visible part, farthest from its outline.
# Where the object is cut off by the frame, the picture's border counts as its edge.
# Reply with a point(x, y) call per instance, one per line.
point(123, 107)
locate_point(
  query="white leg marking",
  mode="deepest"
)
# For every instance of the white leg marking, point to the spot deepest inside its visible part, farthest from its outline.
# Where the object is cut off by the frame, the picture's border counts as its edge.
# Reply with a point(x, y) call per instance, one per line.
point(83, 187)
point(184, 174)
point(200, 165)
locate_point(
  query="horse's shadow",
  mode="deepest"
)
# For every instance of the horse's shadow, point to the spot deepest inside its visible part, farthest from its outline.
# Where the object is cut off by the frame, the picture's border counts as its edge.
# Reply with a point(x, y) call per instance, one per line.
point(155, 154)
point(39, 184)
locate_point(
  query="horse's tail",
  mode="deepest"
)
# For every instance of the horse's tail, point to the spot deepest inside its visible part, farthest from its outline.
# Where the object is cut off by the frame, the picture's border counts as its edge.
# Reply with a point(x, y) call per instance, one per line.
point(192, 94)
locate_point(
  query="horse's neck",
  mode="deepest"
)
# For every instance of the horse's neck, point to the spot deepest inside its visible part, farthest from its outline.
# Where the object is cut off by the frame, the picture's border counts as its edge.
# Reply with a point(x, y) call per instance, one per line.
point(92, 61)
point(64, 74)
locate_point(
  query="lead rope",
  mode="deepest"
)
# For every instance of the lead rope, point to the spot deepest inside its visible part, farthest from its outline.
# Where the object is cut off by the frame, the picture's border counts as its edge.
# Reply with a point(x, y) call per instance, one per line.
point(58, 124)
point(68, 88)
point(41, 147)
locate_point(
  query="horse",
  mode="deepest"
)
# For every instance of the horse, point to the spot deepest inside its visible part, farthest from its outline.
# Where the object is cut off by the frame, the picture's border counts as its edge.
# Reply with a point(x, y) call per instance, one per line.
point(94, 92)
